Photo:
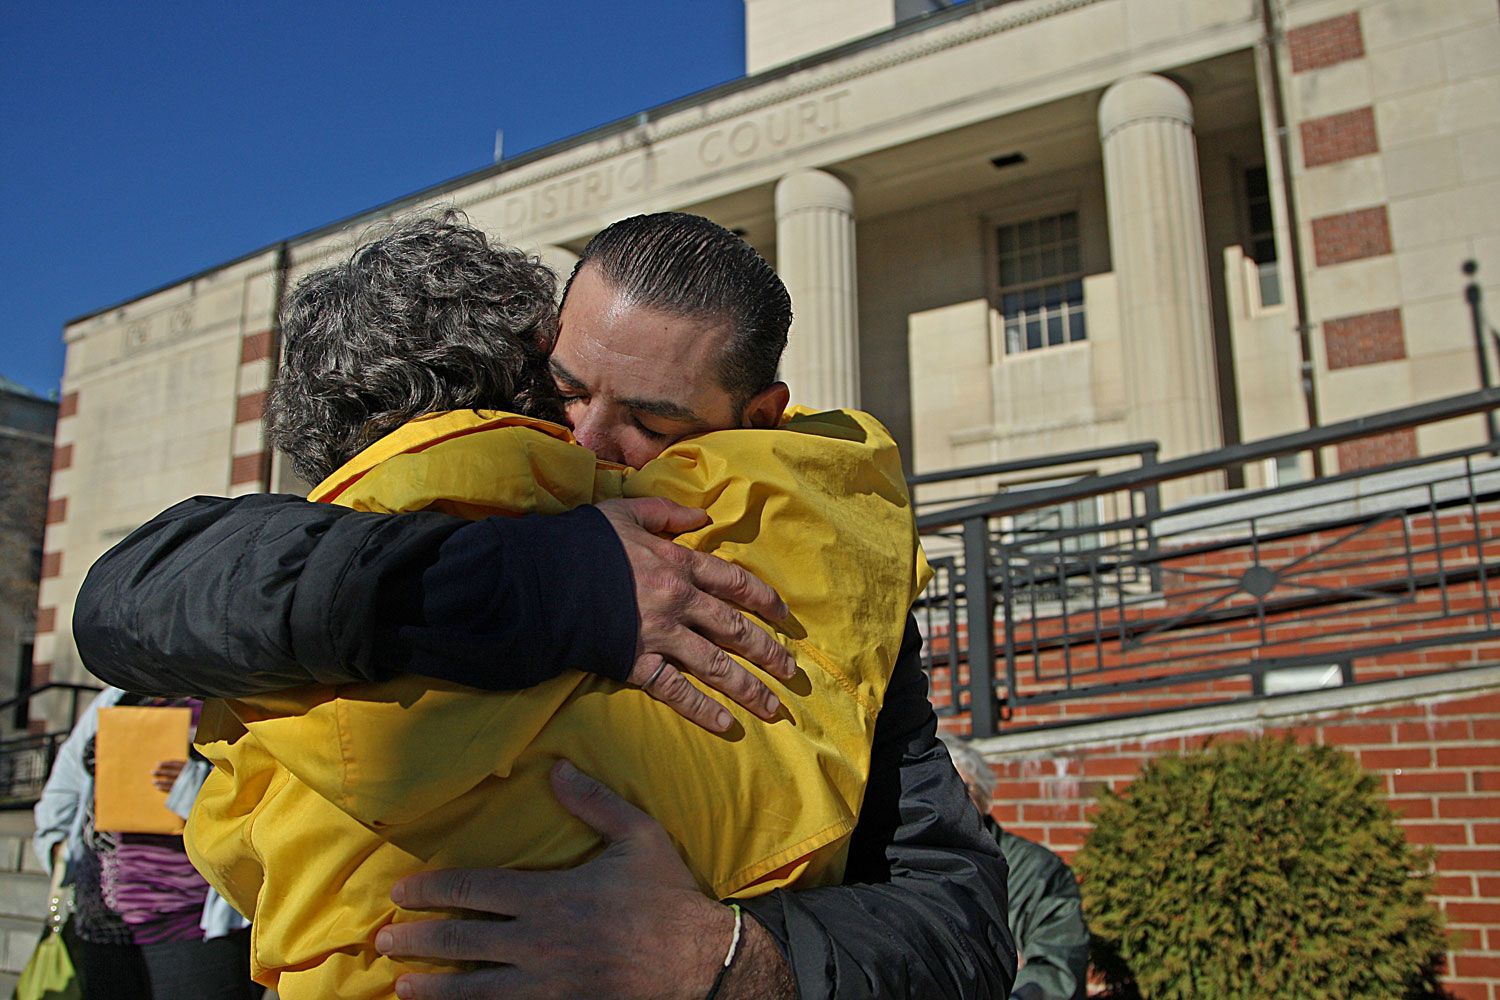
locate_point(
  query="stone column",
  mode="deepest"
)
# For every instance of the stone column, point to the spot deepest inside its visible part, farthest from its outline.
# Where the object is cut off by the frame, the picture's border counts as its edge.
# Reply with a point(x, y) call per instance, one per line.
point(815, 257)
point(1161, 265)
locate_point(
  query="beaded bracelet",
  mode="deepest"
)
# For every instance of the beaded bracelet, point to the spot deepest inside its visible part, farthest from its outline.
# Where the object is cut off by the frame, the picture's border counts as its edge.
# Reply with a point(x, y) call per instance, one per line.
point(734, 948)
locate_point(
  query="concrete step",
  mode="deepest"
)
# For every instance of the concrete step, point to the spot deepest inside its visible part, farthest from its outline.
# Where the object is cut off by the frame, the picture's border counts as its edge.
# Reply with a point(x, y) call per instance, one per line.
point(16, 854)
point(23, 895)
point(18, 938)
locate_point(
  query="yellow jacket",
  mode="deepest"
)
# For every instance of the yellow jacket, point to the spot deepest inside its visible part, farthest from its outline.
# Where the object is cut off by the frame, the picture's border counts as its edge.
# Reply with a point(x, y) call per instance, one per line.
point(323, 797)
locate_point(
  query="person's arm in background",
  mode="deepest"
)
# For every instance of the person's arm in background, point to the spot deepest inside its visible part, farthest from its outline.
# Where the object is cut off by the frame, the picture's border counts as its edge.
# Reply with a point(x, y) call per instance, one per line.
point(60, 806)
point(232, 598)
point(1047, 918)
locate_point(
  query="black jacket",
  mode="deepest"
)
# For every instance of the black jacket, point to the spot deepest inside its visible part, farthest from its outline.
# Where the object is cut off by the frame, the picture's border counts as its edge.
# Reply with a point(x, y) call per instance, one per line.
point(235, 597)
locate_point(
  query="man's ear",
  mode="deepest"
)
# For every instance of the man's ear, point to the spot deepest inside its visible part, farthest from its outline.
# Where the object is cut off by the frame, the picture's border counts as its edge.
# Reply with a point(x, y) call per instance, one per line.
point(766, 407)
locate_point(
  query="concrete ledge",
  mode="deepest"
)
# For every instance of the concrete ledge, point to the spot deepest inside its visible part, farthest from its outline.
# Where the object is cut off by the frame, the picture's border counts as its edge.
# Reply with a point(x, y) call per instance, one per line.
point(1250, 713)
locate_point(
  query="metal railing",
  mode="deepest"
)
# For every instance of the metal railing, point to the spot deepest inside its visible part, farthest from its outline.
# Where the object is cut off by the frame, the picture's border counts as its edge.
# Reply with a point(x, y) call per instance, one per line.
point(1089, 588)
point(25, 761)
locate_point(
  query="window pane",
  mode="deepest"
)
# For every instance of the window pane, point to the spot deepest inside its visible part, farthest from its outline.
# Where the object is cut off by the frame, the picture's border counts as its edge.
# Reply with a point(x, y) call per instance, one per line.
point(1075, 325)
point(1055, 330)
point(1047, 263)
point(1067, 259)
point(1038, 261)
point(1013, 343)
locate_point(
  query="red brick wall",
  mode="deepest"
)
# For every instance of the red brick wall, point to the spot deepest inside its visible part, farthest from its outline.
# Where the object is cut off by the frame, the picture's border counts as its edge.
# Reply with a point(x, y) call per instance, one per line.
point(250, 406)
point(1325, 43)
point(1439, 761)
point(246, 468)
point(1365, 232)
point(1364, 339)
point(255, 347)
point(1381, 449)
point(1339, 137)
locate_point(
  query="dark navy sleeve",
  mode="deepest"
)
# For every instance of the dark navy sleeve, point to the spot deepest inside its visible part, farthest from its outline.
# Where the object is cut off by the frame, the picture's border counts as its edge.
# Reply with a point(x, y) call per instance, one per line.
point(922, 911)
point(234, 597)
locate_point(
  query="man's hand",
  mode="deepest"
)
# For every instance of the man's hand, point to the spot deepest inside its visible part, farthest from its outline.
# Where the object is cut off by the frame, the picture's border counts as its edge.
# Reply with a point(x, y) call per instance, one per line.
point(684, 599)
point(630, 924)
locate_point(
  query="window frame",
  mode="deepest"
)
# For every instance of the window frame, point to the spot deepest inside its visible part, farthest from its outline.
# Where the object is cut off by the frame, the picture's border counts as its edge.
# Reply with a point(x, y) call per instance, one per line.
point(992, 224)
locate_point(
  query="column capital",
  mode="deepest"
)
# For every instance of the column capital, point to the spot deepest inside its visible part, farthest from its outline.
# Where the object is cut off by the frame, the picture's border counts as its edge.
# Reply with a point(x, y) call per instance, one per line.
point(1143, 98)
point(812, 189)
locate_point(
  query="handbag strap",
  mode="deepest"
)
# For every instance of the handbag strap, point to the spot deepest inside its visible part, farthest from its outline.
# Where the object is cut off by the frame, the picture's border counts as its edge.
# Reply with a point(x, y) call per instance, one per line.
point(56, 913)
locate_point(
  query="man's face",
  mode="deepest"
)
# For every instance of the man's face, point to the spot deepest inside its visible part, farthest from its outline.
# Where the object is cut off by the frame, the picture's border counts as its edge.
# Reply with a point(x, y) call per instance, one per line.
point(636, 379)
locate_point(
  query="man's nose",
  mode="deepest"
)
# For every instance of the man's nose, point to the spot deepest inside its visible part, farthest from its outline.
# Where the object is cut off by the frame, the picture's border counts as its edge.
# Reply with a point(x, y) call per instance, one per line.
point(592, 431)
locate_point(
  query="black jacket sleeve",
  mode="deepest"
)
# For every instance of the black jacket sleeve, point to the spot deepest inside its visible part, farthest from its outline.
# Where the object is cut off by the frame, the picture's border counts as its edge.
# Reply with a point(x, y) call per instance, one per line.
point(922, 912)
point(236, 597)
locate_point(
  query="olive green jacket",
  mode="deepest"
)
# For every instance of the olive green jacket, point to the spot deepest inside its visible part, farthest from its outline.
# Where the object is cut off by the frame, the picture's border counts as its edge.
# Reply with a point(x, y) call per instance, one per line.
point(1046, 917)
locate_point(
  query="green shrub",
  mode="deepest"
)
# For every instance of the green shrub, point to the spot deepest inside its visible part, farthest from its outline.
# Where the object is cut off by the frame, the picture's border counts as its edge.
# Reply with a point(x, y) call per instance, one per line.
point(1258, 869)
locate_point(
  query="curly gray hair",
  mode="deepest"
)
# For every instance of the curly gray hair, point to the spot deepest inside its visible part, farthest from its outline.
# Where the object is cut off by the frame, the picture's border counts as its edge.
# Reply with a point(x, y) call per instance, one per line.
point(427, 317)
point(970, 764)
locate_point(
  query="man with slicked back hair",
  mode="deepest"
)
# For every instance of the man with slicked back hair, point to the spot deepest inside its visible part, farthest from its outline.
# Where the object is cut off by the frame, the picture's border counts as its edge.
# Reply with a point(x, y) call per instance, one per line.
point(669, 327)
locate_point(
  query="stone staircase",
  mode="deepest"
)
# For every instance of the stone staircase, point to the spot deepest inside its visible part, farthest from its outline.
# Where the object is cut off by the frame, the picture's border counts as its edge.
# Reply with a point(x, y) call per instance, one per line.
point(23, 896)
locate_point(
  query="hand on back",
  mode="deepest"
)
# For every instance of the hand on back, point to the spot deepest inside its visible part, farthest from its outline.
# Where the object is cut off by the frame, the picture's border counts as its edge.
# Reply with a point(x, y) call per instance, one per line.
point(688, 603)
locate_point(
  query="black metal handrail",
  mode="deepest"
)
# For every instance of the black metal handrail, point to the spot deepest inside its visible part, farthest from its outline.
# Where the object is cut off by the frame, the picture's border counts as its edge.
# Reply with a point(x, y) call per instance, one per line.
point(1154, 474)
point(1053, 574)
point(26, 760)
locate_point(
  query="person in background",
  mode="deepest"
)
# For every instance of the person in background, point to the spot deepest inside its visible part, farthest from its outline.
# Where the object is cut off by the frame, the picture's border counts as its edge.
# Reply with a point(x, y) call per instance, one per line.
point(145, 925)
point(1046, 909)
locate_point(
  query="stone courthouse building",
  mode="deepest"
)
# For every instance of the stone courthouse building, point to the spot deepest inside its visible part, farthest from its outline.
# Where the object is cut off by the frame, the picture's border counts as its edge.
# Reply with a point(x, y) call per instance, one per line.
point(1011, 229)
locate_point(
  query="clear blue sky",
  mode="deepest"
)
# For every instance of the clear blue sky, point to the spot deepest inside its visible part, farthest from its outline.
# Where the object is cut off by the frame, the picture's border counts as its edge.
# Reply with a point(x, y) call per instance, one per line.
point(140, 142)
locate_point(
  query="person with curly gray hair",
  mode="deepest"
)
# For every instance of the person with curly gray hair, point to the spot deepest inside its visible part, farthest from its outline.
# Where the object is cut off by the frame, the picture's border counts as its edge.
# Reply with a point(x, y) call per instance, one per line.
point(1045, 906)
point(428, 316)
point(671, 326)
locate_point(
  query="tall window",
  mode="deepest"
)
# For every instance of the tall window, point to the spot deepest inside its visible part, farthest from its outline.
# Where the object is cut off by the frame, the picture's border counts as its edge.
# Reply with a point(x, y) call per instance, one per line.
point(1041, 283)
point(1261, 238)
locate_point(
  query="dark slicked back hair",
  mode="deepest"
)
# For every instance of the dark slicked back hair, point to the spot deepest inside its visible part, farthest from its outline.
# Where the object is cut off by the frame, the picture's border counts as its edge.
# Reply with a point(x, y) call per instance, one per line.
point(425, 317)
point(687, 265)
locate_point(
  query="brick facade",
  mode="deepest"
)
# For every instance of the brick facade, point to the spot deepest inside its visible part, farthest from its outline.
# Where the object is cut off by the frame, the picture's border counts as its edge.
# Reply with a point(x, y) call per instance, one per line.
point(1380, 449)
point(246, 468)
point(57, 510)
point(62, 457)
point(1365, 339)
point(255, 347)
point(1437, 758)
point(250, 406)
point(68, 406)
point(1326, 43)
point(1365, 232)
point(1335, 138)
